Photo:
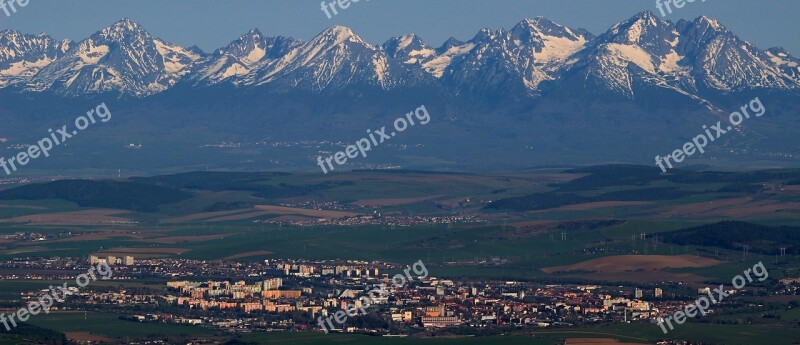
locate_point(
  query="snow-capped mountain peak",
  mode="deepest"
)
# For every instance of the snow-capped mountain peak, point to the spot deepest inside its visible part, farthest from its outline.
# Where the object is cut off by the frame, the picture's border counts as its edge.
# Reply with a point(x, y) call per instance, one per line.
point(338, 34)
point(549, 42)
point(410, 49)
point(711, 23)
point(450, 43)
point(692, 58)
point(242, 57)
point(121, 58)
point(124, 30)
point(23, 56)
point(644, 29)
point(542, 26)
point(248, 49)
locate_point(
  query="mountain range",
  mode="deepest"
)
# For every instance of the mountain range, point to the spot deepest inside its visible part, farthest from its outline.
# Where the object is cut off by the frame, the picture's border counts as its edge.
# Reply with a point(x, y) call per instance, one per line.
point(698, 59)
point(536, 94)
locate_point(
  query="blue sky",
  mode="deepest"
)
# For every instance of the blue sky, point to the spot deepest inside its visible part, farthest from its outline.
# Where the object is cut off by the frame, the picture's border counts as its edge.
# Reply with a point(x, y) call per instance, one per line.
point(211, 24)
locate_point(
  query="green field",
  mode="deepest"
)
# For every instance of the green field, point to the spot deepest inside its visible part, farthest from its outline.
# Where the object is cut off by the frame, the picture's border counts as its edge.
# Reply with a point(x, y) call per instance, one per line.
point(6, 339)
point(319, 338)
point(110, 325)
point(526, 214)
point(707, 333)
point(433, 243)
point(641, 333)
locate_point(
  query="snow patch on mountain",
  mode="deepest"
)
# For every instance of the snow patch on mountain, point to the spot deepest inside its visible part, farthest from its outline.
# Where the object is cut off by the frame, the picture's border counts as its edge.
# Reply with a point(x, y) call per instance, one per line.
point(437, 65)
point(22, 56)
point(624, 54)
point(688, 57)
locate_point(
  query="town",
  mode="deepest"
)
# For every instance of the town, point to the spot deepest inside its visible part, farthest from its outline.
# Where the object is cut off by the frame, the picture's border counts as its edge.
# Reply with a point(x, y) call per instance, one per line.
point(287, 295)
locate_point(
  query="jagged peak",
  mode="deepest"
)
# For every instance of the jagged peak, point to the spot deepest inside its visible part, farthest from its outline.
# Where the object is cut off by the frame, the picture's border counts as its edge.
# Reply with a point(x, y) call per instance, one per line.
point(543, 26)
point(484, 34)
point(406, 43)
point(10, 33)
point(646, 14)
point(339, 31)
point(452, 41)
point(13, 38)
point(401, 42)
point(646, 18)
point(122, 29)
point(645, 30)
point(780, 51)
point(14, 34)
point(538, 22)
point(528, 24)
point(197, 50)
point(638, 27)
point(254, 32)
point(338, 34)
point(251, 36)
point(126, 24)
point(710, 22)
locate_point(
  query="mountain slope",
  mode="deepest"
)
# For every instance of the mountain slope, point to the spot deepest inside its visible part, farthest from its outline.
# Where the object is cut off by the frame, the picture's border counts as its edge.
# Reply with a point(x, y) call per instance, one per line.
point(123, 58)
point(241, 57)
point(697, 61)
point(520, 59)
point(22, 56)
point(722, 62)
point(336, 58)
